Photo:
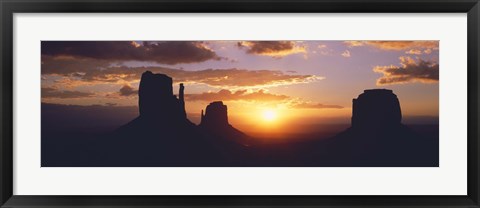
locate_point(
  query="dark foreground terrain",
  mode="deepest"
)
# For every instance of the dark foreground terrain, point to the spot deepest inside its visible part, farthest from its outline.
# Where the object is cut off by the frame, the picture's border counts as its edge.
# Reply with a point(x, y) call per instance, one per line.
point(76, 149)
point(161, 135)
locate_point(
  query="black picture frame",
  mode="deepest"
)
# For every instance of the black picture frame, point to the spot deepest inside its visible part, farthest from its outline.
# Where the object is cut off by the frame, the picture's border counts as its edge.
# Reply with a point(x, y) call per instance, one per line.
point(9, 7)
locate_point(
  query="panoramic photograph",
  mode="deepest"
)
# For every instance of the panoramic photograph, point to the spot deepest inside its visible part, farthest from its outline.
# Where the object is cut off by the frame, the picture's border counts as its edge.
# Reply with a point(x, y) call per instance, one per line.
point(240, 103)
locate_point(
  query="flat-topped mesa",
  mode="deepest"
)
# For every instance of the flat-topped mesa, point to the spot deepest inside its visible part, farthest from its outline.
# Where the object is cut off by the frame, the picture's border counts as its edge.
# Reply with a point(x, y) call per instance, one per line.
point(156, 98)
point(215, 124)
point(376, 108)
point(215, 115)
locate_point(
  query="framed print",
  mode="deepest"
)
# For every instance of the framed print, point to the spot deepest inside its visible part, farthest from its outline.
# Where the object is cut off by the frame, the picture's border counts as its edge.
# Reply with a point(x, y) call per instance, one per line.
point(246, 104)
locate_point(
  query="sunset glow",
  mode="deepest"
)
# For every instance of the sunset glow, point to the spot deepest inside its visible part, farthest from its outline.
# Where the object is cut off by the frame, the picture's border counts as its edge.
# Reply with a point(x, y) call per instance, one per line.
point(269, 115)
point(240, 103)
point(263, 83)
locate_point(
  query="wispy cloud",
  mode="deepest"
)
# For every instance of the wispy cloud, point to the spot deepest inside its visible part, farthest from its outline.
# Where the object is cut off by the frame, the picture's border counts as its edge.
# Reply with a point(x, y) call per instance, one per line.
point(395, 45)
point(414, 52)
point(227, 95)
point(48, 92)
point(346, 54)
point(258, 96)
point(312, 105)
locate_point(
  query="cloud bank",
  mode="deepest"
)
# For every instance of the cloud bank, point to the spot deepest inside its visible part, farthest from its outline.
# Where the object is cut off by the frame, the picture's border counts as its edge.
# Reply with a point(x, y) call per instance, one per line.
point(410, 70)
point(127, 90)
point(168, 52)
point(275, 49)
point(90, 71)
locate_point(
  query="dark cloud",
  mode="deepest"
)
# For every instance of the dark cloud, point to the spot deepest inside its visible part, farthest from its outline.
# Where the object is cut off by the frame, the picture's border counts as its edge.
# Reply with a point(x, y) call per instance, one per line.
point(127, 90)
point(271, 48)
point(62, 65)
point(90, 71)
point(54, 93)
point(227, 95)
point(169, 52)
point(410, 70)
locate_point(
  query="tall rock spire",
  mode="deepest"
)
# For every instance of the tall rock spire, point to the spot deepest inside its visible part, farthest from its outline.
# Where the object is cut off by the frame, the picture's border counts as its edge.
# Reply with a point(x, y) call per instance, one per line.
point(182, 99)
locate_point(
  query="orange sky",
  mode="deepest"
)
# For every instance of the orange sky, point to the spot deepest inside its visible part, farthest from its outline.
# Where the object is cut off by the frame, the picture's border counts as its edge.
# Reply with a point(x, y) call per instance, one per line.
point(291, 81)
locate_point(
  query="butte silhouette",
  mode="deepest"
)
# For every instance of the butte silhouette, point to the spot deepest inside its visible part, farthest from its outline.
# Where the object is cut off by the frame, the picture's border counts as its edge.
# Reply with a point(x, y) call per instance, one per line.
point(377, 136)
point(161, 112)
point(163, 135)
point(215, 123)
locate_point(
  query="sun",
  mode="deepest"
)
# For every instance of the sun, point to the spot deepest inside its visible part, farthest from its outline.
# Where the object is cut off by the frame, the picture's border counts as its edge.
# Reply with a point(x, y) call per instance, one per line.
point(269, 115)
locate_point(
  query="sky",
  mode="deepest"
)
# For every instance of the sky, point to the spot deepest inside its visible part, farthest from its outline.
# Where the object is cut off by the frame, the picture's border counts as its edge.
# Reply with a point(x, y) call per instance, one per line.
point(265, 84)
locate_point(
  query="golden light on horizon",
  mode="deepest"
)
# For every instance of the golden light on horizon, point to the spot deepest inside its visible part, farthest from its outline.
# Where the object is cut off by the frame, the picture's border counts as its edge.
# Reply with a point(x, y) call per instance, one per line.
point(269, 115)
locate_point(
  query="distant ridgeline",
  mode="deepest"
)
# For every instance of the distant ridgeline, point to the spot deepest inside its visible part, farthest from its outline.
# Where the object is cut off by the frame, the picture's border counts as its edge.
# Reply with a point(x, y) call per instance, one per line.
point(162, 136)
